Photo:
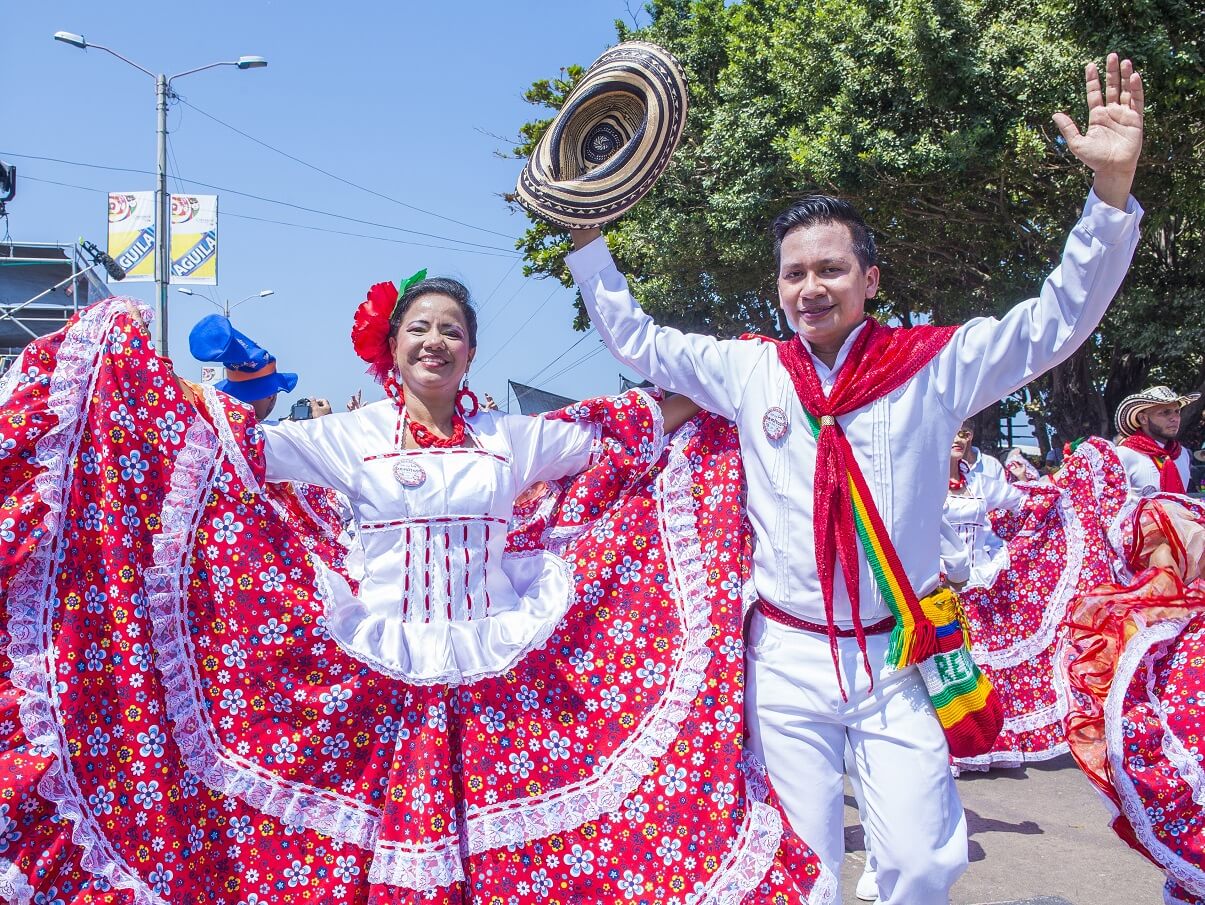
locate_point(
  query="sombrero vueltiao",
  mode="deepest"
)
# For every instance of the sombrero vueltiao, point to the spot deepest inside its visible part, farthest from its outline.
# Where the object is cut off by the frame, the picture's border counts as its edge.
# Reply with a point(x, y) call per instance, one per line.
point(1127, 412)
point(611, 139)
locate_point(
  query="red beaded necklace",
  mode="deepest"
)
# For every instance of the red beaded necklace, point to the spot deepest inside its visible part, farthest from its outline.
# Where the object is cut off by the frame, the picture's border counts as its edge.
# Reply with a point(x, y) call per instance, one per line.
point(424, 436)
point(426, 439)
point(959, 484)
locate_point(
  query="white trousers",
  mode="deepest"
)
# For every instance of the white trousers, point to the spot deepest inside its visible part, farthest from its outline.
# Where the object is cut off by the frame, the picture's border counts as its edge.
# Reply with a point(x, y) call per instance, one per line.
point(799, 726)
point(855, 783)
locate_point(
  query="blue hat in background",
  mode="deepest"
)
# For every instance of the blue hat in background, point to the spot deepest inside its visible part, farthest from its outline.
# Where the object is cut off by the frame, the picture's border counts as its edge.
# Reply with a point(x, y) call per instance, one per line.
point(250, 370)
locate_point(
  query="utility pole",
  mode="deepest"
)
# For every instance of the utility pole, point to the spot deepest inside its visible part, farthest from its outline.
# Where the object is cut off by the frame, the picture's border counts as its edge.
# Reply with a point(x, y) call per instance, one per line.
point(163, 214)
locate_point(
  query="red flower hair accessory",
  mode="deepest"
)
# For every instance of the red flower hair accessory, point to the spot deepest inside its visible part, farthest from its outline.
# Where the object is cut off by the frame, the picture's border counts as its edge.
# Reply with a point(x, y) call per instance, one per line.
point(370, 332)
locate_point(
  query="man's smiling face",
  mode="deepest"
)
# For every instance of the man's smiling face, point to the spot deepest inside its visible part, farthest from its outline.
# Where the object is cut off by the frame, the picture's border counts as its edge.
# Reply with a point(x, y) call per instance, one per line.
point(822, 286)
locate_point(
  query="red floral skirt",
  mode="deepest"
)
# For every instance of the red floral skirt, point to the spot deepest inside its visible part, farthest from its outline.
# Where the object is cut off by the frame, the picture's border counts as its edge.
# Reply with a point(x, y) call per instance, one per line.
point(1058, 547)
point(1134, 658)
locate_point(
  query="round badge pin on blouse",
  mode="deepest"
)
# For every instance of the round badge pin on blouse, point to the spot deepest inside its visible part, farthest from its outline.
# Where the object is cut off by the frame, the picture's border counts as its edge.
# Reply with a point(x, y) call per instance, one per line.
point(774, 423)
point(408, 472)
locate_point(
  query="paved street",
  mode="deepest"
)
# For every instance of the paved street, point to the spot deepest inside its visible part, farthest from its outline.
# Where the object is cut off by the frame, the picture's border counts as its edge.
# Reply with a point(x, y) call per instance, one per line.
point(1038, 836)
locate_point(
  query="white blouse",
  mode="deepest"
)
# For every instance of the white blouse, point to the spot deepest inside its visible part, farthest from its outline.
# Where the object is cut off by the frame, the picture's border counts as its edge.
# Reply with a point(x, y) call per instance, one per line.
point(439, 600)
point(968, 512)
point(955, 559)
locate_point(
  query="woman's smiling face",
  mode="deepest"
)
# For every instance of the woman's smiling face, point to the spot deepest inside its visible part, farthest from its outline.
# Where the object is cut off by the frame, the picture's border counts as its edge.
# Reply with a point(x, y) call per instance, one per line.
point(432, 348)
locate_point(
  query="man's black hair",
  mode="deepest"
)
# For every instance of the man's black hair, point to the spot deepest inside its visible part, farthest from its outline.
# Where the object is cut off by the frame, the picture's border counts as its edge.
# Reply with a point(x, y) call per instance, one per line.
point(826, 209)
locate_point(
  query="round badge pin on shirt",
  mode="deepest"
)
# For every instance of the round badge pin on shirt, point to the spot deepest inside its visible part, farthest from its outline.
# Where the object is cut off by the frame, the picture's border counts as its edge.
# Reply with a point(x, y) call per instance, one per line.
point(408, 472)
point(774, 423)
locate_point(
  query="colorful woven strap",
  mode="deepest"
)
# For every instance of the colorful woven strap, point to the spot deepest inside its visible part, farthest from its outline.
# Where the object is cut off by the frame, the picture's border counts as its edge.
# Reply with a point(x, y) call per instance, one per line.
point(914, 636)
point(967, 706)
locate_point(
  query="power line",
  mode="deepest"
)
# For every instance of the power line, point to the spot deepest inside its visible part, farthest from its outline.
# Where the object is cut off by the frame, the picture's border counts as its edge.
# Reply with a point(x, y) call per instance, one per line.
point(76, 163)
point(581, 339)
point(300, 207)
point(499, 311)
point(319, 229)
point(581, 361)
point(340, 232)
point(173, 166)
point(498, 286)
point(337, 178)
point(519, 329)
point(171, 152)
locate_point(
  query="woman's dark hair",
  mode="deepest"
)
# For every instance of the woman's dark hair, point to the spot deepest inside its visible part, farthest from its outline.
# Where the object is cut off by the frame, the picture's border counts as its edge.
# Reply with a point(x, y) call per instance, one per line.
point(454, 289)
point(826, 209)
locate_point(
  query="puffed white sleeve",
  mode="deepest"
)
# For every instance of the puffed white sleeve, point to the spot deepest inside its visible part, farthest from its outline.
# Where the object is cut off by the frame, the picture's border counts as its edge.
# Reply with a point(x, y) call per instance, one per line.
point(543, 449)
point(955, 558)
point(988, 358)
point(999, 494)
point(315, 451)
point(711, 372)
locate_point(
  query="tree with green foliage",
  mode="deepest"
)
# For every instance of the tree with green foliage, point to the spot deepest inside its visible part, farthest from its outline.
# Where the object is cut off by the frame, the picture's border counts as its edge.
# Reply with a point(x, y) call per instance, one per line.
point(933, 117)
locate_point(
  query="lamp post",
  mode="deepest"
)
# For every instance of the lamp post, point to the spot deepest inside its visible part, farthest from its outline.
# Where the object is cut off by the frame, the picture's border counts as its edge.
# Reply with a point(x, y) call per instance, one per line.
point(227, 308)
point(163, 91)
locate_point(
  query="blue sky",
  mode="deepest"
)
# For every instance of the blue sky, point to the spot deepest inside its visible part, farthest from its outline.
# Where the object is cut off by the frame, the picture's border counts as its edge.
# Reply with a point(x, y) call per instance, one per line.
point(410, 100)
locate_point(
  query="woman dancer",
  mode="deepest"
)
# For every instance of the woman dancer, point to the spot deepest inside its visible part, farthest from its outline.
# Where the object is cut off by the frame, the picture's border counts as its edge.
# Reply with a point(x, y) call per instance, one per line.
point(1055, 546)
point(971, 498)
point(198, 707)
point(1132, 659)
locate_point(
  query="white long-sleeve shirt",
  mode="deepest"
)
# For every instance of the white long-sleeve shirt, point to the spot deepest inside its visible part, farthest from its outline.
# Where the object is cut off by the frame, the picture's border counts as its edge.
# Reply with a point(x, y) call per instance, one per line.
point(1143, 474)
point(901, 441)
point(985, 467)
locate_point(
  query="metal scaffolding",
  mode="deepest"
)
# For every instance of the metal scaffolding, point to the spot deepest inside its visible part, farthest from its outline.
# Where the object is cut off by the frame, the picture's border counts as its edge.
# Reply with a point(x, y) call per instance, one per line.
point(41, 286)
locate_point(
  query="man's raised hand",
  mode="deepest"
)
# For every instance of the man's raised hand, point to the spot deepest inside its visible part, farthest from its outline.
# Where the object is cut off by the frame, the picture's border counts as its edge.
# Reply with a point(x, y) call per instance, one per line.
point(1113, 140)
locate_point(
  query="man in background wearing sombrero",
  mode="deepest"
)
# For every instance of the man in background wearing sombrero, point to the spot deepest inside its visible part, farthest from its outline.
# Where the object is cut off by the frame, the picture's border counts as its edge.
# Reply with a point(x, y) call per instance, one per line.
point(1149, 423)
point(251, 374)
point(848, 425)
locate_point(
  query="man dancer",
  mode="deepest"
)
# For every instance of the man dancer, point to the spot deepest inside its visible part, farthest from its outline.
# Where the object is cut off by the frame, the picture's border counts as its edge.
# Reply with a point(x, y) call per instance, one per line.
point(1153, 458)
point(881, 408)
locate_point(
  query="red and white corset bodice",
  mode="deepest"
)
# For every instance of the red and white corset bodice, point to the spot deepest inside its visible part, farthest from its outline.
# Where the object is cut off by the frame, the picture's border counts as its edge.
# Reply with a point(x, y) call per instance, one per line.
point(432, 567)
point(439, 601)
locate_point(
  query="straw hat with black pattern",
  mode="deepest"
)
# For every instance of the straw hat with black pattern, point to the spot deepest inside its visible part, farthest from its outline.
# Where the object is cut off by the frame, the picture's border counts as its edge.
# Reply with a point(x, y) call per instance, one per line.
point(1127, 412)
point(612, 138)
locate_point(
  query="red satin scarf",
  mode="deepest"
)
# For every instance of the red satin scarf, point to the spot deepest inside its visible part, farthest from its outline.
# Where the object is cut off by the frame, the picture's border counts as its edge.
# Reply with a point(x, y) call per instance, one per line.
point(881, 360)
point(1164, 458)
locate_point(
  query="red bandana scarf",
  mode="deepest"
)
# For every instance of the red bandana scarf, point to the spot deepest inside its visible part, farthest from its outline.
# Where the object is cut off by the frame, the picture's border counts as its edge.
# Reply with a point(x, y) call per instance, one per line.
point(1164, 458)
point(881, 360)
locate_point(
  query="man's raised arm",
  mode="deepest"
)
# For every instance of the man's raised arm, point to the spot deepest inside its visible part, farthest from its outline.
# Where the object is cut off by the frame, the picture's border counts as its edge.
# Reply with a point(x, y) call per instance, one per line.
point(708, 371)
point(990, 358)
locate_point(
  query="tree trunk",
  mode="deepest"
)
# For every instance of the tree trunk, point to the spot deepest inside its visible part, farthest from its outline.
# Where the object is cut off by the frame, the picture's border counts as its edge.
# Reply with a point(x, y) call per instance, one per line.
point(1077, 408)
point(987, 430)
point(1128, 373)
point(1037, 418)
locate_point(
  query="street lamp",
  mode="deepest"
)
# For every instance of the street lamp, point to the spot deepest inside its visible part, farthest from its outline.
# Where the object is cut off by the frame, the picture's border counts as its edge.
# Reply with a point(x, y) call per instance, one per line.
point(227, 308)
point(163, 91)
